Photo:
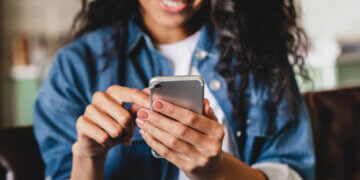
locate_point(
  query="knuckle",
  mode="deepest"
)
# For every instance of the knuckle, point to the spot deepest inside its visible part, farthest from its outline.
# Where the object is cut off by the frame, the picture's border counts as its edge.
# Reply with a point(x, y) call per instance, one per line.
point(103, 138)
point(118, 131)
point(173, 142)
point(191, 120)
point(90, 109)
point(166, 153)
point(79, 123)
point(98, 95)
point(220, 133)
point(125, 116)
point(182, 131)
point(111, 88)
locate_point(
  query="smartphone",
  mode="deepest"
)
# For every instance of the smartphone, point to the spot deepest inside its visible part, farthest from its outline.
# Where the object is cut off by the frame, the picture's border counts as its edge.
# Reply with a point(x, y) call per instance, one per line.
point(183, 91)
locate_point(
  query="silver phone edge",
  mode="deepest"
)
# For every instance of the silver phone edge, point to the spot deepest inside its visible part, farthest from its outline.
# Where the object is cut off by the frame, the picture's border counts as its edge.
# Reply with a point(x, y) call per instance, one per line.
point(157, 79)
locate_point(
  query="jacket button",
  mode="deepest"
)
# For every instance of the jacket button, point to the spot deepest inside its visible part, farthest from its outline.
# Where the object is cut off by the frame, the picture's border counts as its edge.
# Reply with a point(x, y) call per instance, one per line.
point(238, 134)
point(215, 85)
point(248, 121)
point(201, 55)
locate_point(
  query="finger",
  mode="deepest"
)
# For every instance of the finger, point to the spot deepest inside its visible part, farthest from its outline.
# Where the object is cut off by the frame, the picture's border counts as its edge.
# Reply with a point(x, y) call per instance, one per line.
point(171, 141)
point(135, 107)
point(104, 121)
point(129, 95)
point(116, 111)
point(187, 117)
point(174, 128)
point(165, 152)
point(208, 111)
point(206, 103)
point(87, 128)
point(146, 91)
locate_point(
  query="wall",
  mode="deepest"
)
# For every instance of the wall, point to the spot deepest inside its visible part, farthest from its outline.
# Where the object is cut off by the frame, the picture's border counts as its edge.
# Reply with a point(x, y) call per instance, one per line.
point(37, 17)
point(334, 18)
point(2, 76)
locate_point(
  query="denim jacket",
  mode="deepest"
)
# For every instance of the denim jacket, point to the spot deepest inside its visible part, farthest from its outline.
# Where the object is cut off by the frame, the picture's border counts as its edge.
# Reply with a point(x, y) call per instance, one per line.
point(80, 69)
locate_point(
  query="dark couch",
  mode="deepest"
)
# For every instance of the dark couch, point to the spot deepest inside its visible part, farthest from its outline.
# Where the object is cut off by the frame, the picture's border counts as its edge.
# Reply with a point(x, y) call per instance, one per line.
point(19, 154)
point(335, 117)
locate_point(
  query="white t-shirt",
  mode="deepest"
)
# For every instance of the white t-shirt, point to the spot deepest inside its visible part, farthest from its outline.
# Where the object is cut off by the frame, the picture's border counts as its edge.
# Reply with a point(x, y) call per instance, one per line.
point(180, 55)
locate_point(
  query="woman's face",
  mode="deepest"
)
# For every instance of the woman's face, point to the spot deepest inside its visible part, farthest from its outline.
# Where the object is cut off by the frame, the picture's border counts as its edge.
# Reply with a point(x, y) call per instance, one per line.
point(169, 13)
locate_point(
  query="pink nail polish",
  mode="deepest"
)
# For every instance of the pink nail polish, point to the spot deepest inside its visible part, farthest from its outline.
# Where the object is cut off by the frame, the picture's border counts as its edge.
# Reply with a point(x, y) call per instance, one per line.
point(142, 132)
point(158, 105)
point(142, 114)
point(139, 122)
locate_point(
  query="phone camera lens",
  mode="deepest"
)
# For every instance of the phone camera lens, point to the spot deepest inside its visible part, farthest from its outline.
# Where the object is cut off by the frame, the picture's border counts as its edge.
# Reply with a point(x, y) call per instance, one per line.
point(157, 85)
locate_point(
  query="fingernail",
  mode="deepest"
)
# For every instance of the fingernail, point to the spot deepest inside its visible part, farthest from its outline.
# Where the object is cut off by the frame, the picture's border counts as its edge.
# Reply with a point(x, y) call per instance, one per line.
point(142, 114)
point(142, 132)
point(139, 122)
point(158, 105)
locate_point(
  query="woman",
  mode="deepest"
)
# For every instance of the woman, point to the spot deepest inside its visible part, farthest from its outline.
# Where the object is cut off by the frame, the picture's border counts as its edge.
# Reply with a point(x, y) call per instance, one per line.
point(93, 122)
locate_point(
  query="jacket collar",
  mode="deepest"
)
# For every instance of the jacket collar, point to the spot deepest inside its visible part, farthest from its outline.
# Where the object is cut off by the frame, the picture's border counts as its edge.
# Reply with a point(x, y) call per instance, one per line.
point(134, 32)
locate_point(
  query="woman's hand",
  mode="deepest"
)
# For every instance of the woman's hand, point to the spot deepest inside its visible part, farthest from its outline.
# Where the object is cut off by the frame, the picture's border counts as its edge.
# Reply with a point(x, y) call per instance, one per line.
point(106, 122)
point(190, 141)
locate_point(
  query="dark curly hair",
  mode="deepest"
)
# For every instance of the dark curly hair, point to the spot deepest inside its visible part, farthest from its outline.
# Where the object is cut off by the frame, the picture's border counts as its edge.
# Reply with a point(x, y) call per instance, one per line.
point(264, 37)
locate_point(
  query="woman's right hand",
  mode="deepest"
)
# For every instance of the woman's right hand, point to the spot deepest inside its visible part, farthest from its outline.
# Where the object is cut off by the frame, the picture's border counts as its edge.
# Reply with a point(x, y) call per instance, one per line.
point(106, 122)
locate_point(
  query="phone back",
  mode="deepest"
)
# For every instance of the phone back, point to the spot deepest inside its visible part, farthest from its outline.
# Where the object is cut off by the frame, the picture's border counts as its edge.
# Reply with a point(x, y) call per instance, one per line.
point(183, 91)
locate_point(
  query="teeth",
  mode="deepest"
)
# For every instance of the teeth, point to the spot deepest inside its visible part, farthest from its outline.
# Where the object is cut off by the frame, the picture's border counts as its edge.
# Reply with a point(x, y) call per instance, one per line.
point(172, 3)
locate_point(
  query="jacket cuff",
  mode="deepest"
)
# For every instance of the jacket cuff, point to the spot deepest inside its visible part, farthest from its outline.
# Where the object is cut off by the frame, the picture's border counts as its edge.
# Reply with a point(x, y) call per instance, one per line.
point(277, 171)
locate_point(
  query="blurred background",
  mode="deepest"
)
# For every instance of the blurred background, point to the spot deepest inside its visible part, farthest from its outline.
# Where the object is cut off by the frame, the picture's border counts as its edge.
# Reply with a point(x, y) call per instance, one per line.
point(31, 31)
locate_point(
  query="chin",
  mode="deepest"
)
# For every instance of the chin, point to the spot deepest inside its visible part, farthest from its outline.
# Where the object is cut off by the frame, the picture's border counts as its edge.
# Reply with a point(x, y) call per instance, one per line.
point(171, 22)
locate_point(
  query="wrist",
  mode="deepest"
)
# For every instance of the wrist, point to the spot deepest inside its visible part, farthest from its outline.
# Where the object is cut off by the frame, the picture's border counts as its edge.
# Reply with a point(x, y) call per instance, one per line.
point(85, 166)
point(80, 154)
point(214, 171)
point(218, 169)
point(229, 166)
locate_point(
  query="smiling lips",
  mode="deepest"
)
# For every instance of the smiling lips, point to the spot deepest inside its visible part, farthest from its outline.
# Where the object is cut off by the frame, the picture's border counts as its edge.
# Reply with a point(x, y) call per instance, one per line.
point(173, 6)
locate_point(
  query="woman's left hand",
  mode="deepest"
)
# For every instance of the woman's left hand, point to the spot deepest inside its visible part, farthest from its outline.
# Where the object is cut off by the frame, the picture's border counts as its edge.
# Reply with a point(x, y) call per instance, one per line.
point(190, 141)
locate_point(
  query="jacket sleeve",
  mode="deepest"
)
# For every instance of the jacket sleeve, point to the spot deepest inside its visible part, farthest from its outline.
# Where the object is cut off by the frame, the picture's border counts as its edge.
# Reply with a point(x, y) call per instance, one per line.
point(282, 136)
point(59, 103)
